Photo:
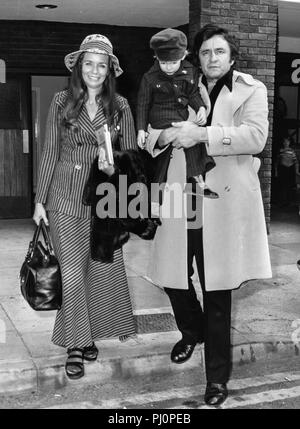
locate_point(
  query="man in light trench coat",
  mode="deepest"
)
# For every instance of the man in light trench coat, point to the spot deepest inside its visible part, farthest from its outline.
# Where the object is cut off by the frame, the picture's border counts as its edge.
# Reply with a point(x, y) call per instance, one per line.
point(232, 245)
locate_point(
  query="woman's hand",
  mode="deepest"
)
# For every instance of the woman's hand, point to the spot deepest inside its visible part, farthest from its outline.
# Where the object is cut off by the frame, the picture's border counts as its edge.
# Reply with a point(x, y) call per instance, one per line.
point(187, 134)
point(108, 170)
point(141, 139)
point(40, 213)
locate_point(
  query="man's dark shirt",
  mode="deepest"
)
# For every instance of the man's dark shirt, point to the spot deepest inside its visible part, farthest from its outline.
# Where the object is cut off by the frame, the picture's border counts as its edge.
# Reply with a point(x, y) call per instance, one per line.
point(225, 80)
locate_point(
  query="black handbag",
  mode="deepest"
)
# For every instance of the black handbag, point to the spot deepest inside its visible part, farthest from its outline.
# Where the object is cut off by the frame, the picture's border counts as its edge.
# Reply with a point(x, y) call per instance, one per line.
point(40, 278)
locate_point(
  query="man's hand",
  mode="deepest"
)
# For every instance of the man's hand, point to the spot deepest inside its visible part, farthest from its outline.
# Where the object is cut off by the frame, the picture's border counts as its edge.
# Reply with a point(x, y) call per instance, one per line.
point(167, 136)
point(187, 134)
point(201, 116)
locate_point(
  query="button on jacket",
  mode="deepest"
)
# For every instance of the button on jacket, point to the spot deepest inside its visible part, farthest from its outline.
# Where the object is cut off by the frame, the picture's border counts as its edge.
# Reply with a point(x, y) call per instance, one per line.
point(68, 155)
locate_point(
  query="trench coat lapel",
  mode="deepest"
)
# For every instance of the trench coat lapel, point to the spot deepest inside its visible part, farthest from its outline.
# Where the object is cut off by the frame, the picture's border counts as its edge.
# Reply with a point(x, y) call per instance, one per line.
point(241, 91)
point(228, 102)
point(222, 114)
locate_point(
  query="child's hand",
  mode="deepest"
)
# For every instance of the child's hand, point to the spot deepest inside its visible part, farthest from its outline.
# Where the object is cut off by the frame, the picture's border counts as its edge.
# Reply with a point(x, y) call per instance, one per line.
point(141, 139)
point(201, 116)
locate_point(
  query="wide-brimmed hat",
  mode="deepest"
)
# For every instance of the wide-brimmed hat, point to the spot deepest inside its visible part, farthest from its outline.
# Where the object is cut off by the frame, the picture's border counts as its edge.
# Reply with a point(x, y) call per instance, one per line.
point(169, 44)
point(96, 44)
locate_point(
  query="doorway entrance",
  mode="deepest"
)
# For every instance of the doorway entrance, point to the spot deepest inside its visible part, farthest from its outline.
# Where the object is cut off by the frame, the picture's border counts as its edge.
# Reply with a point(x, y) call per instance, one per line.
point(24, 104)
point(15, 138)
point(286, 134)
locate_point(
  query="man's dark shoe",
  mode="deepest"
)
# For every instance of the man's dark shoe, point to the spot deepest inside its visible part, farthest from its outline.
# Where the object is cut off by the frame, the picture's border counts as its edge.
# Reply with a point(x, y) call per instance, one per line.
point(215, 393)
point(182, 351)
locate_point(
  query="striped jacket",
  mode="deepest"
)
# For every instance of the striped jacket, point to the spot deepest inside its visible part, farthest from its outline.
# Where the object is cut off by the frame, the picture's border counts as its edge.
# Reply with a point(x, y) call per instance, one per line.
point(67, 157)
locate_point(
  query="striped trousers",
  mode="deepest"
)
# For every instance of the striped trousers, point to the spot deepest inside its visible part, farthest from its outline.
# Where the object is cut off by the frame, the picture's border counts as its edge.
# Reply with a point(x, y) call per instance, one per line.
point(96, 301)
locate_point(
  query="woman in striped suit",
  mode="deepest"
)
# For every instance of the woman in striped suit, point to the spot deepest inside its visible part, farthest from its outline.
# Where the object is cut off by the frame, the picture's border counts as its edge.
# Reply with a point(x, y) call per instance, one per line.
point(96, 301)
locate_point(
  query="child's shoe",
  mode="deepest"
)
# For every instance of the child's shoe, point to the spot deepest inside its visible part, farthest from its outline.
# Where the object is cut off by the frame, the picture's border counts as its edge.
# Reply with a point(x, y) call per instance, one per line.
point(208, 193)
point(200, 189)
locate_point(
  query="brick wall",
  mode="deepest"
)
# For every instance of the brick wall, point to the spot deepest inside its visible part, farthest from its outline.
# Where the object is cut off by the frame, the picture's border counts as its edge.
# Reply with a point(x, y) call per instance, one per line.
point(254, 24)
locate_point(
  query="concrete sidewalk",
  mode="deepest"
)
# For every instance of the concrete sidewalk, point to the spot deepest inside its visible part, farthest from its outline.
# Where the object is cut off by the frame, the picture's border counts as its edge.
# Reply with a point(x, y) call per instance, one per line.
point(265, 321)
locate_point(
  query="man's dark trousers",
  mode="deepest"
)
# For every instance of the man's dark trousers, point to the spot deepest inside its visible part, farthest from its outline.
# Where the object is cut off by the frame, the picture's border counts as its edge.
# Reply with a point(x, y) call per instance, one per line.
point(212, 324)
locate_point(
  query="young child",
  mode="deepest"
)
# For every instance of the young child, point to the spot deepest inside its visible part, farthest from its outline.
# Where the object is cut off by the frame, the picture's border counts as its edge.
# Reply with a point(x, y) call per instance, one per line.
point(166, 91)
point(287, 170)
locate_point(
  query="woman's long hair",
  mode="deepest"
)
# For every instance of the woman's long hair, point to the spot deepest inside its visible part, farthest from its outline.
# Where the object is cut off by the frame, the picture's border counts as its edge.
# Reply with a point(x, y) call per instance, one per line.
point(77, 96)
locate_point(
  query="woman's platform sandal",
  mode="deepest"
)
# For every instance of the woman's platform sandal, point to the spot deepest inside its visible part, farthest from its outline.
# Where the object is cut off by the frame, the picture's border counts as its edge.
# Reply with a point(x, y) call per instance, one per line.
point(90, 353)
point(74, 366)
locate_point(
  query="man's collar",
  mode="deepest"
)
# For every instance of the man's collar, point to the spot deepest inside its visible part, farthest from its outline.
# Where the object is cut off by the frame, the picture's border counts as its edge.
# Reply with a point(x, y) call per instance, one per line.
point(224, 80)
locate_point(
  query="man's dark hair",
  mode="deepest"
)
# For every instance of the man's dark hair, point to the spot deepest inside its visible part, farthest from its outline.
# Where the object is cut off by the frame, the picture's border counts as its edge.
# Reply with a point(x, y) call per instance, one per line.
point(207, 32)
